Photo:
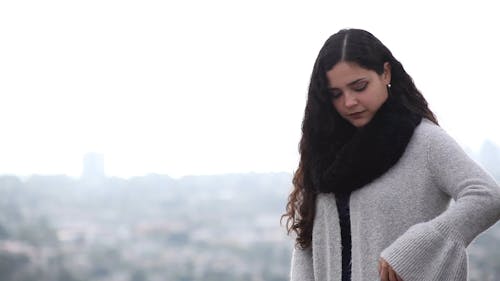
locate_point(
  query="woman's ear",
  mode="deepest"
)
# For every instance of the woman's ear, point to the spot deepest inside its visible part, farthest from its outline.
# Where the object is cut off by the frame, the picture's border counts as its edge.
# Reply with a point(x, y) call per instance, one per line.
point(387, 73)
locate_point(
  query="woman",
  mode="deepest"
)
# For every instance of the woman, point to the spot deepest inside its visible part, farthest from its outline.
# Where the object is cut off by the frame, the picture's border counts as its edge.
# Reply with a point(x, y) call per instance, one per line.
point(371, 197)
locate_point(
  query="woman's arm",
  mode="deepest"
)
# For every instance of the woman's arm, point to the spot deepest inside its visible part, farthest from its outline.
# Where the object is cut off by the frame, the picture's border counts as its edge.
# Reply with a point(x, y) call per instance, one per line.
point(435, 250)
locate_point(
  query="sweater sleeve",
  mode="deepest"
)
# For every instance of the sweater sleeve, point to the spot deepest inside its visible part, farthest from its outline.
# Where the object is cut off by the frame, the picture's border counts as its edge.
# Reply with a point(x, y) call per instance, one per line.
point(435, 250)
point(302, 265)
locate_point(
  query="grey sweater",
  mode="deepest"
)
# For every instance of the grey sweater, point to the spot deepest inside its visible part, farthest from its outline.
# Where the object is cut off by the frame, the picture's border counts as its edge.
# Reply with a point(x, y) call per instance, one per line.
point(405, 216)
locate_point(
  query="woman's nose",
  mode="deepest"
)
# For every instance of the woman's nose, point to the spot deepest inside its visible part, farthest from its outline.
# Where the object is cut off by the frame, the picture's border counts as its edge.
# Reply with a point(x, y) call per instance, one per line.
point(350, 100)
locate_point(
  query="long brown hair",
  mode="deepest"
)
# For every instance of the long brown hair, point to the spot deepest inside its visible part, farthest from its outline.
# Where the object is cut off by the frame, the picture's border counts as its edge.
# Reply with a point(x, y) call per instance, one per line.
point(322, 127)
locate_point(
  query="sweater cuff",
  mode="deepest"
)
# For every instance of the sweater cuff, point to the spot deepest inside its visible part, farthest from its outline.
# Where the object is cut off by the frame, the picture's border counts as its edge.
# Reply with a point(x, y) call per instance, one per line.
point(428, 252)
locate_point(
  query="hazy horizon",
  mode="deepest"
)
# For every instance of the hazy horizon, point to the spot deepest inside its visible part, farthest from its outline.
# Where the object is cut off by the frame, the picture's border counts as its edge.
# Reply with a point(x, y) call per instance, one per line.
point(474, 153)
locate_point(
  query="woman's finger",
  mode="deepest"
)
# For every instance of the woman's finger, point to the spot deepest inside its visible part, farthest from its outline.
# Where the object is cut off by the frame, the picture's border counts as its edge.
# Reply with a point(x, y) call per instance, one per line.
point(384, 273)
point(392, 275)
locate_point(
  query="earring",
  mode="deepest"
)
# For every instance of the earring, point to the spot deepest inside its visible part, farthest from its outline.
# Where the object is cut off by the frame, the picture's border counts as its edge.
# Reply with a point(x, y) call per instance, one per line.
point(389, 89)
point(389, 85)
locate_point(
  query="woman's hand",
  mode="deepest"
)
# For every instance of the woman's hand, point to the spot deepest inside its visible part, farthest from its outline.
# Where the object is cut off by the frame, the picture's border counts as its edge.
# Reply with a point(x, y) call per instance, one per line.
point(386, 272)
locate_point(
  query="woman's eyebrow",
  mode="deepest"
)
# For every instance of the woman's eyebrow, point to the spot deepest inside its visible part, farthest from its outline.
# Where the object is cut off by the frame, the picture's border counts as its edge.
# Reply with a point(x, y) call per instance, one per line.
point(356, 81)
point(350, 83)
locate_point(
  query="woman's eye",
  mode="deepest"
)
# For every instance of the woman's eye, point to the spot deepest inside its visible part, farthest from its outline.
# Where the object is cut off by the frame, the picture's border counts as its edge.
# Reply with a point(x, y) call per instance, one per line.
point(335, 95)
point(360, 87)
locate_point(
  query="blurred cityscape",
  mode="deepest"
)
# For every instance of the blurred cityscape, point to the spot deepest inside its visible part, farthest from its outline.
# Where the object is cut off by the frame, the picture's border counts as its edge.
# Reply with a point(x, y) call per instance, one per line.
point(152, 228)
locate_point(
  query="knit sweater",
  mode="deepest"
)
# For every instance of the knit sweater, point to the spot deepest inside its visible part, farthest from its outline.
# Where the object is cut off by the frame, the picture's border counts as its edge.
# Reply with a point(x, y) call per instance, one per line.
point(405, 217)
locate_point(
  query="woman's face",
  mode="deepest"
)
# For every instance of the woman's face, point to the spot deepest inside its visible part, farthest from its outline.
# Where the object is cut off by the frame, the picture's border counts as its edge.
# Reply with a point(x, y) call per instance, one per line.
point(357, 93)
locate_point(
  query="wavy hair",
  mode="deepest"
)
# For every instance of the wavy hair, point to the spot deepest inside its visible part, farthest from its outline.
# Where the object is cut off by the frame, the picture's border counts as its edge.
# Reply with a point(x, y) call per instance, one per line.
point(324, 130)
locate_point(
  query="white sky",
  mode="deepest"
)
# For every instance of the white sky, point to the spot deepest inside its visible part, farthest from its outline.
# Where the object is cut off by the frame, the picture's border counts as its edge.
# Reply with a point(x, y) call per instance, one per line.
point(203, 87)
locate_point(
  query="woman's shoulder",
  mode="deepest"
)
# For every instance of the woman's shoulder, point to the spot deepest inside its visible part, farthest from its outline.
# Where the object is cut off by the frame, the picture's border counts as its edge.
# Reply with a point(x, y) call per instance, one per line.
point(431, 132)
point(427, 126)
point(437, 143)
point(433, 139)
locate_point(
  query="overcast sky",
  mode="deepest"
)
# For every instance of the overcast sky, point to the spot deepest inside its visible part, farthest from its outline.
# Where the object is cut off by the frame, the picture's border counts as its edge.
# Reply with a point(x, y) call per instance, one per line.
point(204, 87)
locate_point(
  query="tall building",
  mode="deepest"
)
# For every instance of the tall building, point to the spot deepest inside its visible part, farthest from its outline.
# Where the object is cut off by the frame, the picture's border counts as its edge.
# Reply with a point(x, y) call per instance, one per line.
point(93, 167)
point(489, 157)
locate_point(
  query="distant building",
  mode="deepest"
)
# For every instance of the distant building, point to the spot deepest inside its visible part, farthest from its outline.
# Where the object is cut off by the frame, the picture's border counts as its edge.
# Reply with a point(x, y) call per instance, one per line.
point(93, 167)
point(489, 157)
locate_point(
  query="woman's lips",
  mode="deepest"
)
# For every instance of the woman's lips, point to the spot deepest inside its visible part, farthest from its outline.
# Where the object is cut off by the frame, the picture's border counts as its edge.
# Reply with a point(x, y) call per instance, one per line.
point(356, 115)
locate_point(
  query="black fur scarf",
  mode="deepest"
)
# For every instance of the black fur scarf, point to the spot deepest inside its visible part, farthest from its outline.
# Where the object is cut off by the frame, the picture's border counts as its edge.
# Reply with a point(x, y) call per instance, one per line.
point(370, 152)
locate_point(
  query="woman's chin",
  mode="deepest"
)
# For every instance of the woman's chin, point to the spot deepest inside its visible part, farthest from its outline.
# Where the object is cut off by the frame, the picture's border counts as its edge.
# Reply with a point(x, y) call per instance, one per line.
point(360, 122)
